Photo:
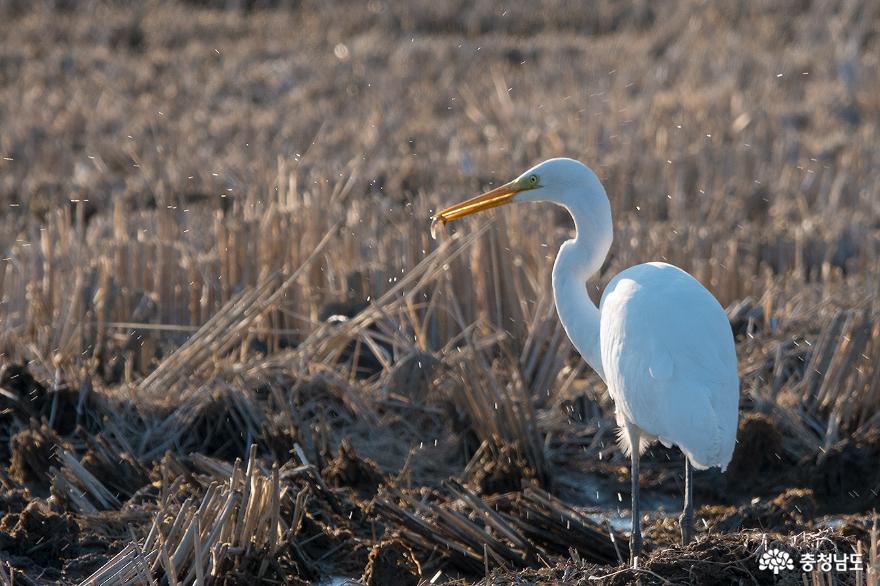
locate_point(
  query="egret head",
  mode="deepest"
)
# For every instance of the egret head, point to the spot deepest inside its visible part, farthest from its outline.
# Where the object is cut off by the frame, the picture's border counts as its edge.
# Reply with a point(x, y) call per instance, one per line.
point(561, 181)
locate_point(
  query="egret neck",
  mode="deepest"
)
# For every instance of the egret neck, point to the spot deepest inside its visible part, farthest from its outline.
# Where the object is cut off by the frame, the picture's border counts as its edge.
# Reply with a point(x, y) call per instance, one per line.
point(578, 260)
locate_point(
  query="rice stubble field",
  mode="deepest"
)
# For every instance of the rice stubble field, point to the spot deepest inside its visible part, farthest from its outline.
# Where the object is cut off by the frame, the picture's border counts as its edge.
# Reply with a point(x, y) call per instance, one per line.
point(232, 353)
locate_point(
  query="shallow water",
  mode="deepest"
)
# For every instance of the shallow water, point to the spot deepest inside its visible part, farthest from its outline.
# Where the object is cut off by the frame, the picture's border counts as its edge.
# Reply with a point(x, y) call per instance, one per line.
point(335, 581)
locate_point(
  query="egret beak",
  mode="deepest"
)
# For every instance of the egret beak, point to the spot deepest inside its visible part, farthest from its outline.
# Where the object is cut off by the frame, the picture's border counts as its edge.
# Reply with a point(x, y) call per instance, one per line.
point(491, 199)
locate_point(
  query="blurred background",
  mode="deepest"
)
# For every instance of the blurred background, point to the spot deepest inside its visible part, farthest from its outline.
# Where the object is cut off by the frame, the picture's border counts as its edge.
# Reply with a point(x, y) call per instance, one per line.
point(215, 234)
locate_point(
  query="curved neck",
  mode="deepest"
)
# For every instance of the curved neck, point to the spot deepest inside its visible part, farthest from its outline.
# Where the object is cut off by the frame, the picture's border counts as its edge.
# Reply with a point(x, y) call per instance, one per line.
point(578, 260)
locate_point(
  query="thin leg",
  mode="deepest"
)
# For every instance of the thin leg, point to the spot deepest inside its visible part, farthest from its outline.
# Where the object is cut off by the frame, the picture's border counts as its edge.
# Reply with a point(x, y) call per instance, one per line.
point(687, 515)
point(635, 539)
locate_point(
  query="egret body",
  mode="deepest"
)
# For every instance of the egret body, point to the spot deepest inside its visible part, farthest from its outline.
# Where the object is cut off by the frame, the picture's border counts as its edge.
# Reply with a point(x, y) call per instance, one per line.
point(660, 341)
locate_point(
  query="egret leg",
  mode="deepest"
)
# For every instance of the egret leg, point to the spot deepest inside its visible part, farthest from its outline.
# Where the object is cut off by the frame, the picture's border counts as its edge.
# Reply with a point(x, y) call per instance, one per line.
point(635, 539)
point(687, 515)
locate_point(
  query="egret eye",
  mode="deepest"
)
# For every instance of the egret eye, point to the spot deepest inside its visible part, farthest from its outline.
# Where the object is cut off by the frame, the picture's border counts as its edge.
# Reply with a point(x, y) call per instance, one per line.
point(533, 179)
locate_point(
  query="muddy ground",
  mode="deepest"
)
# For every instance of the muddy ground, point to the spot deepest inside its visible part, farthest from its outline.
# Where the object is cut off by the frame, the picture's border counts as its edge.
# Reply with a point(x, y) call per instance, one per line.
point(350, 518)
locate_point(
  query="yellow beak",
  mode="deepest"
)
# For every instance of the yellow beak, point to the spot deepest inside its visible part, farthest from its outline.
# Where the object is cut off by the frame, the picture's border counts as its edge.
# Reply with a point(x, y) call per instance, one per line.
point(491, 199)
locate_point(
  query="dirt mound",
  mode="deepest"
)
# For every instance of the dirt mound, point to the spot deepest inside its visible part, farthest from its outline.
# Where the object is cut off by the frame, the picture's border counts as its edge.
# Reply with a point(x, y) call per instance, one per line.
point(727, 559)
point(791, 510)
point(33, 452)
point(348, 469)
point(712, 560)
point(39, 534)
point(14, 501)
point(759, 449)
point(29, 393)
point(391, 562)
point(27, 399)
point(496, 469)
point(846, 478)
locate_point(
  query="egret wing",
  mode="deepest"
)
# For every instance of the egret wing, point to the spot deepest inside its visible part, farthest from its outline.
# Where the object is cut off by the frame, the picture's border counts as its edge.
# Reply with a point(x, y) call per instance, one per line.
point(670, 361)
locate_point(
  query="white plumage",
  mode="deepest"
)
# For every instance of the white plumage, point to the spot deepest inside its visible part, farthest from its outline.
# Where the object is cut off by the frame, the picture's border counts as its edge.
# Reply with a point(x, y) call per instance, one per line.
point(659, 339)
point(670, 363)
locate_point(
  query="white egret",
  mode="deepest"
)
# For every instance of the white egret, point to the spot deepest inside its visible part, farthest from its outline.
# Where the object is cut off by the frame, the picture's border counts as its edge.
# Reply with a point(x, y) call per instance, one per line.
point(660, 341)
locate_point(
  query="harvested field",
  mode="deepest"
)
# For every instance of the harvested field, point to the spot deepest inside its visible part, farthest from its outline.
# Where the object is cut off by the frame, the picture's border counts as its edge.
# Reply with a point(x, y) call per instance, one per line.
point(231, 353)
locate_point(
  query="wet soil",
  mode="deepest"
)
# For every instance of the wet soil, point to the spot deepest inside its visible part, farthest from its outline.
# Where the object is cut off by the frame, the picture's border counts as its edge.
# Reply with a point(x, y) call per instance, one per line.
point(374, 525)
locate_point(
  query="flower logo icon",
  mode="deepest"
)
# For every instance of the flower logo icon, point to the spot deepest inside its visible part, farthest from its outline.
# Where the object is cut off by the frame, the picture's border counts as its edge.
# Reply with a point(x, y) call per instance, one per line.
point(776, 560)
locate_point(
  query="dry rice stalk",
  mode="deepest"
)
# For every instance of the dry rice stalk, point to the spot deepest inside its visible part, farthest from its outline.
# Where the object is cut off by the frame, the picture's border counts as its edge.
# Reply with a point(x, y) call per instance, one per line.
point(232, 520)
point(223, 330)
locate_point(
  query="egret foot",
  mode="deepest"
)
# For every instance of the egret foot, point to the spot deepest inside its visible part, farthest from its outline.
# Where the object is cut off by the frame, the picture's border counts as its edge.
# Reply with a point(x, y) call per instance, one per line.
point(687, 528)
point(635, 548)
